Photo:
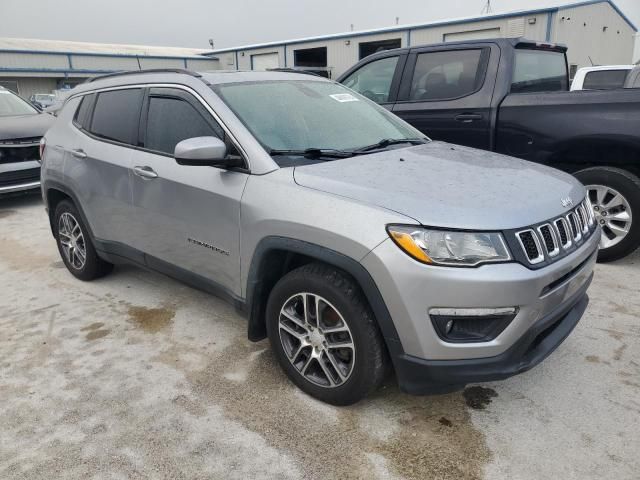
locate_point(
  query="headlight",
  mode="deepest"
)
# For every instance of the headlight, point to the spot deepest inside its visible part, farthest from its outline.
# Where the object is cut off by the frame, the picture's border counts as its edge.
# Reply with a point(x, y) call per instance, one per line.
point(450, 247)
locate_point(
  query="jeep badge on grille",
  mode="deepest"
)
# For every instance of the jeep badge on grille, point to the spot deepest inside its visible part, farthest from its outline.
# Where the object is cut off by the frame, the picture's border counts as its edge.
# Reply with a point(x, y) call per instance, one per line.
point(567, 202)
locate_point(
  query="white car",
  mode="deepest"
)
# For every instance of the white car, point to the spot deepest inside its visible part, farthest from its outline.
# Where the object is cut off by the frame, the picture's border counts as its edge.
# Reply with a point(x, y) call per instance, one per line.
point(605, 77)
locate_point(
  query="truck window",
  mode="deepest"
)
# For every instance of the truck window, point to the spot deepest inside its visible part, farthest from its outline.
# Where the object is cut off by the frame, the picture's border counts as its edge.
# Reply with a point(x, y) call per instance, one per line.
point(374, 79)
point(446, 75)
point(539, 71)
point(604, 79)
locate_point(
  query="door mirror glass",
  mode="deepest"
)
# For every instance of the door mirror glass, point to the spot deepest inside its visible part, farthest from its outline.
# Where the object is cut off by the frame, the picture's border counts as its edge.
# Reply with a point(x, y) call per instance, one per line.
point(204, 151)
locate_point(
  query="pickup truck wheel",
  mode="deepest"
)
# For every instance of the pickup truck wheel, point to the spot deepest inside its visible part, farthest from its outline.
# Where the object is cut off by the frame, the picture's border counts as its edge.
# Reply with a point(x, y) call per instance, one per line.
point(324, 335)
point(75, 246)
point(615, 196)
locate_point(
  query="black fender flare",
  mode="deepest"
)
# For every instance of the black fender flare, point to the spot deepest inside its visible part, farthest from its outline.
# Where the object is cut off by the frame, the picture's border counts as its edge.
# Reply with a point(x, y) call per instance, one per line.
point(256, 294)
point(53, 185)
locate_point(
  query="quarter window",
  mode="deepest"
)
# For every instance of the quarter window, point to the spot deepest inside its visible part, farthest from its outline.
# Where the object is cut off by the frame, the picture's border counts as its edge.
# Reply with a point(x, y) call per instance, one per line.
point(116, 115)
point(446, 75)
point(374, 79)
point(539, 71)
point(171, 120)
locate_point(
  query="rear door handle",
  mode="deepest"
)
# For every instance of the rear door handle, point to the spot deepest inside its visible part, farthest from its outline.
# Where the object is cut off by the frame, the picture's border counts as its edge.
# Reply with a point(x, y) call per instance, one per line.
point(468, 117)
point(145, 172)
point(78, 153)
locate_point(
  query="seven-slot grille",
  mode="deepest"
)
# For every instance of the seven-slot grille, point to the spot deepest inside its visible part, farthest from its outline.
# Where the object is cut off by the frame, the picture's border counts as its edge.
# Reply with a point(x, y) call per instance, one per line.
point(550, 239)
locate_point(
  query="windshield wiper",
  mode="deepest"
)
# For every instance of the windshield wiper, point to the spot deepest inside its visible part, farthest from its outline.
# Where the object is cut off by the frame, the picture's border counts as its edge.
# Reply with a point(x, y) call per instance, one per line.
point(390, 141)
point(313, 153)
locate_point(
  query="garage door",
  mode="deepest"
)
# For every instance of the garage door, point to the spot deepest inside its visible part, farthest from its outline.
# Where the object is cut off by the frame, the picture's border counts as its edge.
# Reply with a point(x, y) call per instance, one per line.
point(472, 35)
point(264, 61)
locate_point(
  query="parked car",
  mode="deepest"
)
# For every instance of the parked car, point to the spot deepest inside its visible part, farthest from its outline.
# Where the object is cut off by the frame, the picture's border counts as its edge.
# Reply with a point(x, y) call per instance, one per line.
point(42, 100)
point(633, 79)
point(346, 236)
point(605, 77)
point(21, 128)
point(511, 96)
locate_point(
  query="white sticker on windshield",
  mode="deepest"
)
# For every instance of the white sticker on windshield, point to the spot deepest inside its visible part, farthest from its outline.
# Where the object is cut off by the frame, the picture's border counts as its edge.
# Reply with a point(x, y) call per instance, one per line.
point(344, 97)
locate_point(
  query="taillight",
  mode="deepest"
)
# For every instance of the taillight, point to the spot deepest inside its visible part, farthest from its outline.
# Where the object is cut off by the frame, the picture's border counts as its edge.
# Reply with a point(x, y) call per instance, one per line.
point(43, 143)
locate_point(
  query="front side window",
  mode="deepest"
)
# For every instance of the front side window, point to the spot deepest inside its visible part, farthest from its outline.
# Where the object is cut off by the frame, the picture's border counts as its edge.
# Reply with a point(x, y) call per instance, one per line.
point(604, 79)
point(171, 120)
point(446, 75)
point(11, 104)
point(116, 115)
point(539, 71)
point(374, 79)
point(303, 114)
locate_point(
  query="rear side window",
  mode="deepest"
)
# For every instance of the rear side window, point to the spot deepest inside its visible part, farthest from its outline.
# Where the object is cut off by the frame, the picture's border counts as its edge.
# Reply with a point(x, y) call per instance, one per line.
point(605, 79)
point(116, 115)
point(446, 75)
point(171, 120)
point(539, 71)
point(83, 113)
point(374, 79)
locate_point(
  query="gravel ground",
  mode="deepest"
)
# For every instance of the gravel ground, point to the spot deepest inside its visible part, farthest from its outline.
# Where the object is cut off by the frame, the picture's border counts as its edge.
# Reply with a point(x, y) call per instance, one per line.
point(137, 376)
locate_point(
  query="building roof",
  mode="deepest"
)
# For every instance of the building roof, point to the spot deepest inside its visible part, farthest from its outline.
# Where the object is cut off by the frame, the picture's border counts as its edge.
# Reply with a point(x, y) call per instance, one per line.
point(58, 46)
point(436, 23)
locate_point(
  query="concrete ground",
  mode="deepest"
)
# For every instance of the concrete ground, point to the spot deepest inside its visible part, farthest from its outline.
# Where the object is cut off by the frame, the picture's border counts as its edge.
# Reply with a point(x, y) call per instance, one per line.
point(137, 376)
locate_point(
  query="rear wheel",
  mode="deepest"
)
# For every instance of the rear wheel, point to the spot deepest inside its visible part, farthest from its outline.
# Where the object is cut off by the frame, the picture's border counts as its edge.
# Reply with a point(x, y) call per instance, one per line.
point(75, 246)
point(324, 335)
point(615, 196)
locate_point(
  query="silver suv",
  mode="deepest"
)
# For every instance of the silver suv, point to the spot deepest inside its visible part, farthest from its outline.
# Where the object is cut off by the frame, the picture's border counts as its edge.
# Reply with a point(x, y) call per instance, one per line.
point(351, 241)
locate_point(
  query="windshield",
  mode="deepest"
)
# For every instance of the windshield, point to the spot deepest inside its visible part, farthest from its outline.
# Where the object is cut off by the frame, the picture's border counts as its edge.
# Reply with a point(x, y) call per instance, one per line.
point(11, 104)
point(310, 114)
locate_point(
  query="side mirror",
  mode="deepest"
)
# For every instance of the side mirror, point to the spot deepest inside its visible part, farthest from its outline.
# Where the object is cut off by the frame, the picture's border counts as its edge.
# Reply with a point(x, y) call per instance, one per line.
point(203, 151)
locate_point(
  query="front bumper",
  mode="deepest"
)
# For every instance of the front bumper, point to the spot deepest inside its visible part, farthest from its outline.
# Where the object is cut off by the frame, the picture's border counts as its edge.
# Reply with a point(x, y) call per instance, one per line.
point(19, 177)
point(418, 376)
point(550, 301)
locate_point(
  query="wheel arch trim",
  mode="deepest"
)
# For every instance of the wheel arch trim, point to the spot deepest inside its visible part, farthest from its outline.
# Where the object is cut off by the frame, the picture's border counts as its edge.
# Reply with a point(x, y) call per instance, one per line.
point(257, 296)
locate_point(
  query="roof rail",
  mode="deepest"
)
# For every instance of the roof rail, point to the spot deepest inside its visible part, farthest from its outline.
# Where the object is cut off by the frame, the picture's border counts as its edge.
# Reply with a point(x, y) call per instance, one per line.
point(294, 70)
point(150, 70)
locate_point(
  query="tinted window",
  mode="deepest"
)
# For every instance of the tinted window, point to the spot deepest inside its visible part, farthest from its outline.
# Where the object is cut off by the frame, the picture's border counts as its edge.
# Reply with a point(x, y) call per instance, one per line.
point(374, 79)
point(116, 115)
point(171, 120)
point(83, 113)
point(442, 75)
point(636, 83)
point(604, 79)
point(539, 71)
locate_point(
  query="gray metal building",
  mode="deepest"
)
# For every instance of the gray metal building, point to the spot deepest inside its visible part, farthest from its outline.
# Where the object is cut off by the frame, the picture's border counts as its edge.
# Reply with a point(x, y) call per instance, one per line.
point(29, 66)
point(595, 31)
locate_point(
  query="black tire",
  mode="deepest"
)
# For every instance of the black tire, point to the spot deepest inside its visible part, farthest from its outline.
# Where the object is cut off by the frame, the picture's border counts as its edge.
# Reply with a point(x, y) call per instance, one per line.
point(370, 360)
point(628, 185)
point(93, 267)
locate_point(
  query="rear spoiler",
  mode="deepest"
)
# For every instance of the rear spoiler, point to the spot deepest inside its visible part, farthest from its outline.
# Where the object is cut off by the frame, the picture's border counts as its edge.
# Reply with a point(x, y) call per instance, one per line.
point(531, 45)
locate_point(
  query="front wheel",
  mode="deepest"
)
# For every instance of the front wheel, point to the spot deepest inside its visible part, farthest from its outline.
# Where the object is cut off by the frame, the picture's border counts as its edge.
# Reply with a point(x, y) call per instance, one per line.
point(615, 196)
point(324, 335)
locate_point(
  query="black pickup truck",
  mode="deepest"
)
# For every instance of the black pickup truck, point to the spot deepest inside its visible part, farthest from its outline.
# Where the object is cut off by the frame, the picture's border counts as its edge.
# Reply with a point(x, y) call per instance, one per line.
point(512, 96)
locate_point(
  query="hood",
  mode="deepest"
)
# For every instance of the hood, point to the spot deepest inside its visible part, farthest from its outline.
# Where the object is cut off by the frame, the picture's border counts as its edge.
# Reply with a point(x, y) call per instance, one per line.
point(25, 126)
point(444, 185)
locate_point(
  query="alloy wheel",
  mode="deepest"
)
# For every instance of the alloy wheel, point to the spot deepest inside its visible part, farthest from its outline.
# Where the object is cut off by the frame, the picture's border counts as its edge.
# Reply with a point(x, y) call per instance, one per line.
point(316, 340)
point(612, 212)
point(72, 240)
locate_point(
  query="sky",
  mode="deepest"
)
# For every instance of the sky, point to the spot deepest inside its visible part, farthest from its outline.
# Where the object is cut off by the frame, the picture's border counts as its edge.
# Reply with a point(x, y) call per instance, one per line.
point(191, 23)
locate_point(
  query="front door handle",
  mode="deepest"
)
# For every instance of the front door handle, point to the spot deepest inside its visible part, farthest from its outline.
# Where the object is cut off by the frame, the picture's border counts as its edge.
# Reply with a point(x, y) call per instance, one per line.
point(468, 117)
point(78, 153)
point(145, 172)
